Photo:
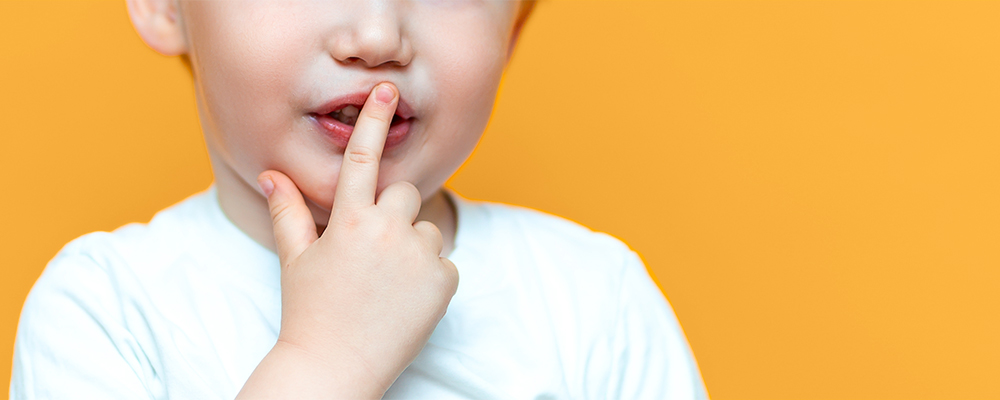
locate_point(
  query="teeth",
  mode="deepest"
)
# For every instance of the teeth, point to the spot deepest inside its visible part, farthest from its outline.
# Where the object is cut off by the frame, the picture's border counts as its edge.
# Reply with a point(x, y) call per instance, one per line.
point(350, 111)
point(347, 115)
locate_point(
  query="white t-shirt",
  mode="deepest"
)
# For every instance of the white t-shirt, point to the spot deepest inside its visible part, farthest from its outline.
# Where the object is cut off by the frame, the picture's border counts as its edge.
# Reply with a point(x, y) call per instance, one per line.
point(186, 306)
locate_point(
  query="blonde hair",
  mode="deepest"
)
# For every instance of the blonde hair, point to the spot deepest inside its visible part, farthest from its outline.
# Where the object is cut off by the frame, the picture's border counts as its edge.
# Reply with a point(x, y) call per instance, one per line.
point(524, 11)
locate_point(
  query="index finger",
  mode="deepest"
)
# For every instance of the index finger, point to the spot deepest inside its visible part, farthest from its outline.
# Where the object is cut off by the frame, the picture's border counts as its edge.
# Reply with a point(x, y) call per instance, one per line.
point(359, 170)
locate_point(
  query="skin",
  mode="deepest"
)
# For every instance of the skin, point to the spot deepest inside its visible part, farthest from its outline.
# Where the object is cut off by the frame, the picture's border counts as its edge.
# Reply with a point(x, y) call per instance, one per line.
point(363, 282)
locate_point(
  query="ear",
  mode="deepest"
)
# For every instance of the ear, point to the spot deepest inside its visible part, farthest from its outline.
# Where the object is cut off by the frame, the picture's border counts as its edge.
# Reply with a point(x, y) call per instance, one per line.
point(158, 23)
point(522, 17)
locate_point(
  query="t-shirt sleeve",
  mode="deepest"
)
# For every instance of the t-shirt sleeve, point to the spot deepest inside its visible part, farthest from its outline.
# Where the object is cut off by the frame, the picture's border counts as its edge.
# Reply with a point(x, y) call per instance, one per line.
point(651, 358)
point(71, 343)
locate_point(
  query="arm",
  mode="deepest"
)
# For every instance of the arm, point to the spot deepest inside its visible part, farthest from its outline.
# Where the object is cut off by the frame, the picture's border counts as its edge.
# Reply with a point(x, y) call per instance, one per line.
point(651, 358)
point(70, 341)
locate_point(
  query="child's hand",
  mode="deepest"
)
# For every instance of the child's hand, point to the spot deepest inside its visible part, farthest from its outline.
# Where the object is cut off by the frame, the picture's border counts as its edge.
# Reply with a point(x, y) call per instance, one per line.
point(360, 302)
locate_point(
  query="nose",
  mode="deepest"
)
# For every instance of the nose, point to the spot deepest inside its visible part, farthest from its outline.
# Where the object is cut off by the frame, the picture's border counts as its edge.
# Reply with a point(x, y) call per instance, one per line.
point(373, 37)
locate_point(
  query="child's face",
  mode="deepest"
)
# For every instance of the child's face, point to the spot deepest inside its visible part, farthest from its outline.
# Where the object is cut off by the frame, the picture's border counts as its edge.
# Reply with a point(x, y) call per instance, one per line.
point(265, 70)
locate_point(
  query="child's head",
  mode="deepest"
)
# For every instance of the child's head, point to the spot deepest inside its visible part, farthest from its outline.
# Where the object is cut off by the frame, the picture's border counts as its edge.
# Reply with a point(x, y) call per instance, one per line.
point(265, 71)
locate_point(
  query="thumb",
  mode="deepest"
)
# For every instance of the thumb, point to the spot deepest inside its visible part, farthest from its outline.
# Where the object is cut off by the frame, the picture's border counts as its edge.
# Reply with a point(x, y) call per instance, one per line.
point(294, 227)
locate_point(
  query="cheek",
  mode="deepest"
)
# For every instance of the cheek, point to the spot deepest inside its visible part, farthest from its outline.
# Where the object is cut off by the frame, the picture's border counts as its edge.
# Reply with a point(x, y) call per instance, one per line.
point(468, 65)
point(466, 79)
point(462, 69)
point(252, 63)
point(246, 65)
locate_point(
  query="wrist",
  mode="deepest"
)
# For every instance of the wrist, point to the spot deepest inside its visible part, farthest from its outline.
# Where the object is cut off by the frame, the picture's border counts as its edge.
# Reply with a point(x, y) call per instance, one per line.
point(323, 374)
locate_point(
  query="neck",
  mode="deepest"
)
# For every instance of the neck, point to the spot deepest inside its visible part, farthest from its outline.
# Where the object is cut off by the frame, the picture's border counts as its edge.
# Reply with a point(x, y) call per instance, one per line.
point(248, 210)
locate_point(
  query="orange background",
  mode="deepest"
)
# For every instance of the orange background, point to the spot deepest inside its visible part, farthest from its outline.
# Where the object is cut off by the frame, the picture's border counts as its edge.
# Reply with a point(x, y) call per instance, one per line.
point(814, 184)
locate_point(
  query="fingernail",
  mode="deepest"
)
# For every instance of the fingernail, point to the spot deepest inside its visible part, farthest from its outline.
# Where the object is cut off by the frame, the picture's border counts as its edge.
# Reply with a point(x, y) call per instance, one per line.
point(266, 185)
point(384, 94)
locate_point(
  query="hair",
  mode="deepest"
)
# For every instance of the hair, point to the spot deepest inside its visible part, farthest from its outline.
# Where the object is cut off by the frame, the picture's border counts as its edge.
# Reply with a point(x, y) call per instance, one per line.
point(524, 10)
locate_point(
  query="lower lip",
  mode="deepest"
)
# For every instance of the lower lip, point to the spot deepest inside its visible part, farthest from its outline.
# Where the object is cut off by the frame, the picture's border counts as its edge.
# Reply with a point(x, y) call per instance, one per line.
point(341, 132)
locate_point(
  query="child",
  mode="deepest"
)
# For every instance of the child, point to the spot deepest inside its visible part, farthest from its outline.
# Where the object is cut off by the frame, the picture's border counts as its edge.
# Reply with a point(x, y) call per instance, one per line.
point(324, 261)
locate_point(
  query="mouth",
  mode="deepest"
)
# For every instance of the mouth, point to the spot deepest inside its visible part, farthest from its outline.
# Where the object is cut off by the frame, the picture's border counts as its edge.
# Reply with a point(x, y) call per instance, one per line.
point(337, 119)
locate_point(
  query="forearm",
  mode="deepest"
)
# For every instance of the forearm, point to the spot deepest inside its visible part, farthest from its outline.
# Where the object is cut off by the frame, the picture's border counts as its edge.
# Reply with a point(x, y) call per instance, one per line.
point(291, 372)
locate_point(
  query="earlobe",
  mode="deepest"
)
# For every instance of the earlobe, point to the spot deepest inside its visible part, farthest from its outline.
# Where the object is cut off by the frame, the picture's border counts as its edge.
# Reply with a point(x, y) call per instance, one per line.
point(158, 23)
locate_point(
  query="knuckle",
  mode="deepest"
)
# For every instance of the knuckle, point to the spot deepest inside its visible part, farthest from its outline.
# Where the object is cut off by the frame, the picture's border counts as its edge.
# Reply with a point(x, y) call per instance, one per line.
point(448, 275)
point(433, 240)
point(411, 192)
point(402, 185)
point(428, 229)
point(383, 231)
point(405, 185)
point(366, 227)
point(403, 193)
point(394, 189)
point(379, 115)
point(361, 155)
point(280, 211)
point(349, 219)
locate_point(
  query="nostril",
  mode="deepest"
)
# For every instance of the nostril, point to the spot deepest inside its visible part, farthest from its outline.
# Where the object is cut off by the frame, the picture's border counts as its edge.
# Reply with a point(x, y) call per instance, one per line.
point(359, 60)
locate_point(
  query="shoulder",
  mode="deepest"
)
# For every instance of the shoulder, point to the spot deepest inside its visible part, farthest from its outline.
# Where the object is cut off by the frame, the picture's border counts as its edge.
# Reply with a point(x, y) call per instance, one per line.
point(171, 233)
point(549, 236)
point(88, 308)
point(619, 337)
point(573, 266)
point(94, 291)
point(100, 263)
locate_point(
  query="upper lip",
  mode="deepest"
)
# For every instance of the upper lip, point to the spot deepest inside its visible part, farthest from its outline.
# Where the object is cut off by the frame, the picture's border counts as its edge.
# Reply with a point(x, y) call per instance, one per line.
point(403, 109)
